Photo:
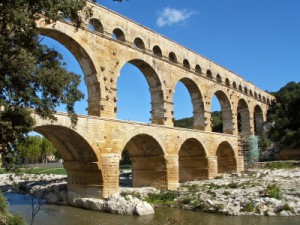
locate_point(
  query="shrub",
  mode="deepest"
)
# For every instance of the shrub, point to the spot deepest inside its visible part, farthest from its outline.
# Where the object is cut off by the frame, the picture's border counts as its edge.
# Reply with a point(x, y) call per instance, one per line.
point(281, 165)
point(226, 193)
point(249, 207)
point(165, 198)
point(214, 186)
point(186, 201)
point(3, 204)
point(15, 220)
point(219, 207)
point(286, 207)
point(274, 191)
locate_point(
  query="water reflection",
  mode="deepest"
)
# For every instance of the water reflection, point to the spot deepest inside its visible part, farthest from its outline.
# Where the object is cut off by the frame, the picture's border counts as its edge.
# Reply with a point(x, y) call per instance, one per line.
point(63, 215)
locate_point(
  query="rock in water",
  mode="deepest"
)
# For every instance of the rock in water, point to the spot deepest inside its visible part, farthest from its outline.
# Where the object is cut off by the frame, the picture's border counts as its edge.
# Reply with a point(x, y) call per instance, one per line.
point(114, 204)
point(143, 208)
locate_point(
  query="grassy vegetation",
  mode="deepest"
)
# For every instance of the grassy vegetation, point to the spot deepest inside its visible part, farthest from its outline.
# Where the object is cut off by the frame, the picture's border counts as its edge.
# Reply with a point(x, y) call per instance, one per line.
point(39, 170)
point(249, 207)
point(226, 193)
point(286, 207)
point(163, 198)
point(281, 165)
point(274, 191)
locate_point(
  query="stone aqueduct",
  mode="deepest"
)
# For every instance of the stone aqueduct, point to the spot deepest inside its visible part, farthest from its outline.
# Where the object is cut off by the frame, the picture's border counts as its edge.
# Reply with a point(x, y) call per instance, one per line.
point(161, 154)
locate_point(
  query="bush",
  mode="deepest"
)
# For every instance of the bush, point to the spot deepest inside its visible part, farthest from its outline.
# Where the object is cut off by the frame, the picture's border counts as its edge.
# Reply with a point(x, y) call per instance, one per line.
point(286, 207)
point(3, 204)
point(15, 220)
point(249, 207)
point(274, 191)
point(226, 193)
point(281, 165)
point(164, 198)
point(186, 200)
point(219, 207)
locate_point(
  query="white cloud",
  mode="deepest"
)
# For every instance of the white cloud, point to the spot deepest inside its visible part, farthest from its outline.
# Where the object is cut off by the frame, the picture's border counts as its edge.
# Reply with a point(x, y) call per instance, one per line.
point(170, 16)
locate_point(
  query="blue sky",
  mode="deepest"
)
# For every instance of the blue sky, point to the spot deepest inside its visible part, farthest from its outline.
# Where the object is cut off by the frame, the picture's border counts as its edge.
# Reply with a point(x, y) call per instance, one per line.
point(257, 39)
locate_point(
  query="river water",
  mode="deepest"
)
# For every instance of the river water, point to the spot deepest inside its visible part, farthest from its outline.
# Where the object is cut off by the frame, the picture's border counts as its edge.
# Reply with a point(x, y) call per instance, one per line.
point(64, 215)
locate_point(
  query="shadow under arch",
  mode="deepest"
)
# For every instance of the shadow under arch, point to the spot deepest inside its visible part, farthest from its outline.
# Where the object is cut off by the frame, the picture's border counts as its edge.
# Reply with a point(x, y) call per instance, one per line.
point(243, 117)
point(80, 160)
point(226, 112)
point(197, 102)
point(193, 164)
point(149, 167)
point(226, 158)
point(155, 87)
point(258, 120)
point(84, 60)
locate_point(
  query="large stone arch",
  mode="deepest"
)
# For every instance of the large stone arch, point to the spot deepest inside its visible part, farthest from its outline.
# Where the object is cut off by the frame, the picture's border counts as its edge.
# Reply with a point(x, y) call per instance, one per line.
point(197, 102)
point(258, 116)
point(149, 166)
point(80, 160)
point(69, 37)
point(193, 163)
point(226, 111)
point(73, 46)
point(68, 143)
point(243, 118)
point(226, 158)
point(155, 87)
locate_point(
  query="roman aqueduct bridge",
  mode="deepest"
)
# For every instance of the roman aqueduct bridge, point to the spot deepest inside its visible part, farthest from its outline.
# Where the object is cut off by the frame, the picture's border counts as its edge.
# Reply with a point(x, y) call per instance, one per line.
point(162, 155)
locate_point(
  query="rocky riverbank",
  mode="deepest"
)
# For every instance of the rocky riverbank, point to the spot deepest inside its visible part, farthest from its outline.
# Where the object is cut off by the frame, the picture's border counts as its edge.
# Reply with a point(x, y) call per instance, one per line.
point(53, 188)
point(261, 192)
point(256, 192)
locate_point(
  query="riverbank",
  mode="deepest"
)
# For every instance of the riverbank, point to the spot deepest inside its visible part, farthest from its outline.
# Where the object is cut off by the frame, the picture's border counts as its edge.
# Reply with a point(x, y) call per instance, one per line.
point(53, 189)
point(261, 192)
point(264, 192)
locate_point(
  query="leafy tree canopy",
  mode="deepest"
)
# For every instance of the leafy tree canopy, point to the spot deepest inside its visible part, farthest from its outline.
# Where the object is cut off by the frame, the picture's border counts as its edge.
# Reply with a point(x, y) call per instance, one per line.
point(217, 124)
point(185, 123)
point(33, 75)
point(34, 149)
point(284, 116)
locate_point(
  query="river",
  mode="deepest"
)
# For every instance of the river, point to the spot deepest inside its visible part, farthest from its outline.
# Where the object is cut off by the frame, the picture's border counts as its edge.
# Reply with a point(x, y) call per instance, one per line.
point(64, 215)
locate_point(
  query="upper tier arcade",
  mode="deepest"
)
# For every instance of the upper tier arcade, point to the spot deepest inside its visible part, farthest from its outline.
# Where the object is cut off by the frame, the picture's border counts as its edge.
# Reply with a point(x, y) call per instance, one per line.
point(107, 41)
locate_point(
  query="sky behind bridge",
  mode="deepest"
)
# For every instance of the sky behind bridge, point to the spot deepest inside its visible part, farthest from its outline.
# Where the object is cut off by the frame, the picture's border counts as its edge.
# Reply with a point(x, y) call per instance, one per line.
point(258, 40)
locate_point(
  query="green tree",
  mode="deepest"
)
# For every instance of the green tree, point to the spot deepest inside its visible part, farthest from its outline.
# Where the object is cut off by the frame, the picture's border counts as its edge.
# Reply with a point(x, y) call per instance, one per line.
point(34, 149)
point(33, 75)
point(217, 124)
point(185, 123)
point(284, 116)
point(30, 149)
point(47, 149)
